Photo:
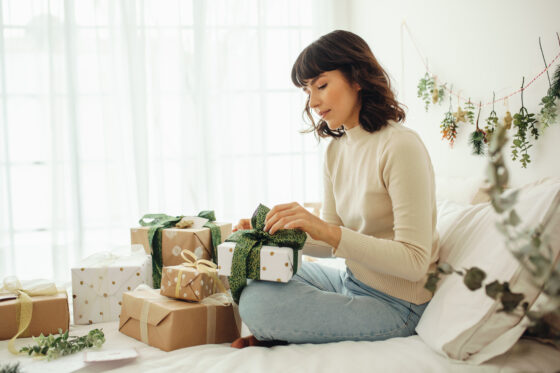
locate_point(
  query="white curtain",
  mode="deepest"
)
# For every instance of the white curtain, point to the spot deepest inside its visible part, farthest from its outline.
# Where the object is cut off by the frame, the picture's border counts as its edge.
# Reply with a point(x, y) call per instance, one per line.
point(113, 109)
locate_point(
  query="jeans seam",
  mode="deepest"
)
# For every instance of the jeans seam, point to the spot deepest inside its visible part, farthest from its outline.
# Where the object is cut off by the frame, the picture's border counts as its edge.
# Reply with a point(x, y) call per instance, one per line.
point(312, 283)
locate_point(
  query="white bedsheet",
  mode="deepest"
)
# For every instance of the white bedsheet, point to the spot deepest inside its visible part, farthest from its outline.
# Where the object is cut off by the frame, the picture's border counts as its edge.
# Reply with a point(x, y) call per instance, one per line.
point(394, 355)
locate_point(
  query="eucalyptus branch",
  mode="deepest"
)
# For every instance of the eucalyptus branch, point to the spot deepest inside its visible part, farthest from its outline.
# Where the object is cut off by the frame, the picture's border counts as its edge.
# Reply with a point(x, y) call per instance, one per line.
point(9, 368)
point(54, 346)
point(529, 247)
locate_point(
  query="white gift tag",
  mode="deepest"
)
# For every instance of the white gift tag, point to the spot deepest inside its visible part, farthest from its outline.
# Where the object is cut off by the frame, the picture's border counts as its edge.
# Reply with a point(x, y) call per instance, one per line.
point(110, 355)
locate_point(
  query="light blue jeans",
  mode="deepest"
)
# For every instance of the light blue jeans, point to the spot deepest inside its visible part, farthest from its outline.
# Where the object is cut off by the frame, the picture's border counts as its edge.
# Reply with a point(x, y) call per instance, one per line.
point(323, 304)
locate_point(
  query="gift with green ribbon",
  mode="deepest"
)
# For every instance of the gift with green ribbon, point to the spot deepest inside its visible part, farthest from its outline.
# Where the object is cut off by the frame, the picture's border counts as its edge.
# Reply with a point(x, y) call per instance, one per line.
point(158, 222)
point(247, 253)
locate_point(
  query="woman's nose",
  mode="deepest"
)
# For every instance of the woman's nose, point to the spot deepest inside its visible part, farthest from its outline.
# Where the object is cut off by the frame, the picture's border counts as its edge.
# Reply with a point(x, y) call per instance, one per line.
point(313, 101)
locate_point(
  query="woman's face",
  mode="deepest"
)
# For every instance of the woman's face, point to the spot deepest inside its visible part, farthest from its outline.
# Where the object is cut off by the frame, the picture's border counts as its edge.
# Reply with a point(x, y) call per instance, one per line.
point(334, 99)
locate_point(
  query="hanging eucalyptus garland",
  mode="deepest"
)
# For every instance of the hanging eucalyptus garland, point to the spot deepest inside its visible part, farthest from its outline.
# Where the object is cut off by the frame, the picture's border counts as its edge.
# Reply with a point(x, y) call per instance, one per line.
point(525, 124)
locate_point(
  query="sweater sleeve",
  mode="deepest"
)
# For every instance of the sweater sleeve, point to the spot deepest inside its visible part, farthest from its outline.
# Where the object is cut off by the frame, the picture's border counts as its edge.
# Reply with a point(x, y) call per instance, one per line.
point(328, 209)
point(407, 174)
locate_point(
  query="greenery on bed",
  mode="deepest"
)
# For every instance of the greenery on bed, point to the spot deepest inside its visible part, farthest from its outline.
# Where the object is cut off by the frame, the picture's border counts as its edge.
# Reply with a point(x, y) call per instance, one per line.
point(528, 246)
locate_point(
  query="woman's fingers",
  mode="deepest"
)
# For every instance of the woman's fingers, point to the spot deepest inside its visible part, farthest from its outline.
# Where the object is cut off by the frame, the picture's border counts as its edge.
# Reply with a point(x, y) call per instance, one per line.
point(284, 211)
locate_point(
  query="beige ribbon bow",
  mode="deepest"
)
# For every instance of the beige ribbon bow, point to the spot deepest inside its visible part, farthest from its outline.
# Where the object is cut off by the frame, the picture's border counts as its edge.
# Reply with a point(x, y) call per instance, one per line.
point(24, 292)
point(201, 266)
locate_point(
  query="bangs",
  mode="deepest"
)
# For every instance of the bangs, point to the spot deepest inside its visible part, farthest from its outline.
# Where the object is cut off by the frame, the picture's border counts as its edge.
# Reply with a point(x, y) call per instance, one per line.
point(311, 62)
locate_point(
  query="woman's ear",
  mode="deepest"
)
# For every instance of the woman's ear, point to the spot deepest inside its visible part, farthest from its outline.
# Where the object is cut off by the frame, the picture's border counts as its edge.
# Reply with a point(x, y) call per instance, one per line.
point(356, 87)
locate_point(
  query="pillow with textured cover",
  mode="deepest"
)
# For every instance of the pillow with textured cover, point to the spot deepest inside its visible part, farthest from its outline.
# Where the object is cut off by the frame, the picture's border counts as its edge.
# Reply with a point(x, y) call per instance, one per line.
point(464, 324)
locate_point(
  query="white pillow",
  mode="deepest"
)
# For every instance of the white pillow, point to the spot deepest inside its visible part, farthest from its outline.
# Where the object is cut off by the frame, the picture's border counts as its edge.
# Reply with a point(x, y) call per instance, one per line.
point(457, 189)
point(460, 323)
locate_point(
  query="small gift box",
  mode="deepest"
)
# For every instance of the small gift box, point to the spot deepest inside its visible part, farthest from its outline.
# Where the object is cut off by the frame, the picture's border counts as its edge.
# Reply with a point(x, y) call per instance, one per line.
point(193, 280)
point(162, 237)
point(276, 263)
point(29, 308)
point(258, 255)
point(99, 281)
point(169, 324)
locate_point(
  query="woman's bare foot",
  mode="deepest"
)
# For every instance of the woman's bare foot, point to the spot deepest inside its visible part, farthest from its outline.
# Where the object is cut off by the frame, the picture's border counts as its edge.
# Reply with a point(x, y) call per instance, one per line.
point(252, 341)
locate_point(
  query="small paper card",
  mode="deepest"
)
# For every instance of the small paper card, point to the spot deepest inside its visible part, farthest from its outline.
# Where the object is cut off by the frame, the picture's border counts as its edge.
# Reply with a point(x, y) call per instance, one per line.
point(110, 355)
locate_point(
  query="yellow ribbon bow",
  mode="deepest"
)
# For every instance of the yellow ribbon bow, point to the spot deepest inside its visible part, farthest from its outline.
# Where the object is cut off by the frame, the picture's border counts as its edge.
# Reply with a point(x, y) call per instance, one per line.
point(201, 266)
point(24, 292)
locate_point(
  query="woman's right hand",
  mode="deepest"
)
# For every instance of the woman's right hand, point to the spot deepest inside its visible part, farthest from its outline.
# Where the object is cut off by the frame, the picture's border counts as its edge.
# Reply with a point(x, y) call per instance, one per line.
point(243, 224)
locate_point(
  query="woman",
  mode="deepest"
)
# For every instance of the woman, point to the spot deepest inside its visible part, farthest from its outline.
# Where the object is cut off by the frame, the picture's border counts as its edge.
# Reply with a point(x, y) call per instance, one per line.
point(379, 212)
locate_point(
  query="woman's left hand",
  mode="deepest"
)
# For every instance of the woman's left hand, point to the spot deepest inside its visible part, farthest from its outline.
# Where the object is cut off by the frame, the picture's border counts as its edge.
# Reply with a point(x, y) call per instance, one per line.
point(292, 216)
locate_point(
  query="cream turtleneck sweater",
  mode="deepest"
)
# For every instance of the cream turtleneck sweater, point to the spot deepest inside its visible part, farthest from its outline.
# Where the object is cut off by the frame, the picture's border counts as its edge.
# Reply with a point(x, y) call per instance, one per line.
point(379, 187)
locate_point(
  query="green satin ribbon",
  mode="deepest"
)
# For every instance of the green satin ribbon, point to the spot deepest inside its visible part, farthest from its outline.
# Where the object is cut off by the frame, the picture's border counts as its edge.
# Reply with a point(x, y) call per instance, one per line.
point(162, 221)
point(247, 254)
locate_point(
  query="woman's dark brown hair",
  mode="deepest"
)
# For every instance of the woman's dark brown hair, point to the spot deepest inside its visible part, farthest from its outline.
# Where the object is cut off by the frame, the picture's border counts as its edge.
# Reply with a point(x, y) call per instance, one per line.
point(350, 54)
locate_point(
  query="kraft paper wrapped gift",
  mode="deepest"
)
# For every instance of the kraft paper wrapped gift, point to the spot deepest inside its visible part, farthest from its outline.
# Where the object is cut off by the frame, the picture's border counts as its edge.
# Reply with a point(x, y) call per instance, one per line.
point(276, 262)
point(174, 240)
point(99, 281)
point(193, 280)
point(169, 324)
point(40, 305)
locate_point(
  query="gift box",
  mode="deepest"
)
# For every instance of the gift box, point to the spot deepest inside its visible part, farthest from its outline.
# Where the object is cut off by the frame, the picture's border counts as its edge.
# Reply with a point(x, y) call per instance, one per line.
point(99, 281)
point(259, 255)
point(276, 263)
point(169, 324)
point(193, 280)
point(174, 240)
point(49, 312)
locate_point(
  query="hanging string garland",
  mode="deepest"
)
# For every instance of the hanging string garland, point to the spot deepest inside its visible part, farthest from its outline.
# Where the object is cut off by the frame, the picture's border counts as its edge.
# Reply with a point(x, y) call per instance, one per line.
point(524, 122)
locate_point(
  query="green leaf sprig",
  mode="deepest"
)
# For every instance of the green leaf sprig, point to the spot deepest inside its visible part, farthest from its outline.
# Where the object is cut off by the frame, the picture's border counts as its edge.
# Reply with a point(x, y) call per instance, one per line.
point(469, 109)
point(449, 126)
point(547, 114)
point(425, 88)
point(9, 368)
point(523, 122)
point(491, 121)
point(477, 139)
point(54, 346)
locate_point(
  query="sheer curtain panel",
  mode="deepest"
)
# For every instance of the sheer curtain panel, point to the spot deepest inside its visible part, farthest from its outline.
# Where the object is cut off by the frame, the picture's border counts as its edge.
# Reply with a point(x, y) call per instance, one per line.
point(113, 109)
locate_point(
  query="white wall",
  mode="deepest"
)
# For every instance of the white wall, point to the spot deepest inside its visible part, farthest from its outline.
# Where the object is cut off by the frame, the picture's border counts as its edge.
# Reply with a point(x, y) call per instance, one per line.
point(478, 46)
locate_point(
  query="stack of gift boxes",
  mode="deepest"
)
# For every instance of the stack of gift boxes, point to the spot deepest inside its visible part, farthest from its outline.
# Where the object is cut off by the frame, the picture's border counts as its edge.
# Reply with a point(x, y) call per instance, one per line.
point(191, 307)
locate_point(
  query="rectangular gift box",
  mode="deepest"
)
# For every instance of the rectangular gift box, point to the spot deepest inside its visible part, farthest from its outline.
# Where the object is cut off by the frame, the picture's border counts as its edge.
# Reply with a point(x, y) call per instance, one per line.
point(174, 240)
point(186, 283)
point(277, 263)
point(97, 288)
point(169, 324)
point(50, 312)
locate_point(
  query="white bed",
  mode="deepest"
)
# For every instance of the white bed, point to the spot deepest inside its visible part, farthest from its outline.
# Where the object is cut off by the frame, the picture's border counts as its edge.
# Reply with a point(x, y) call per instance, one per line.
point(395, 355)
point(409, 354)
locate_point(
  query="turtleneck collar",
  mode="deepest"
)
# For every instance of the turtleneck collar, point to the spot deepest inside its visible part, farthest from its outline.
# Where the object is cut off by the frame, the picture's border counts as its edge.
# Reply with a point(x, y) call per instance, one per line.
point(355, 134)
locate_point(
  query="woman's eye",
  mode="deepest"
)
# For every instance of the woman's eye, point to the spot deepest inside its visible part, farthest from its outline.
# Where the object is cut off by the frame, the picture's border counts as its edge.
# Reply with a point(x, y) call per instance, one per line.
point(323, 86)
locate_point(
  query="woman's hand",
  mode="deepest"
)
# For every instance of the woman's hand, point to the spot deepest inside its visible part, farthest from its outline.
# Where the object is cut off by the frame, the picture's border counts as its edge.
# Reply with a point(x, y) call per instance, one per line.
point(243, 224)
point(293, 215)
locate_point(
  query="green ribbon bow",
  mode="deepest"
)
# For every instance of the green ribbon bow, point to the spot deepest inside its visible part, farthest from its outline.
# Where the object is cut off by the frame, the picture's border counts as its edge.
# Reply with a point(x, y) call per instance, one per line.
point(247, 255)
point(162, 221)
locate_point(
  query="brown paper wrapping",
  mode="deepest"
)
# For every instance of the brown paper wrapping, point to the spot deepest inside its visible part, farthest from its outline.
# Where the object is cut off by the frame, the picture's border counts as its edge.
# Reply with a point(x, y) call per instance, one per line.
point(193, 285)
point(173, 324)
point(173, 240)
point(50, 312)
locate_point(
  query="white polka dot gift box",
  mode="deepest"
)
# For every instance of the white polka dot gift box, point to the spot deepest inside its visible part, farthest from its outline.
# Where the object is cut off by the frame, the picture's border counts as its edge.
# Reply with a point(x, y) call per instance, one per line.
point(99, 281)
point(193, 280)
point(277, 263)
